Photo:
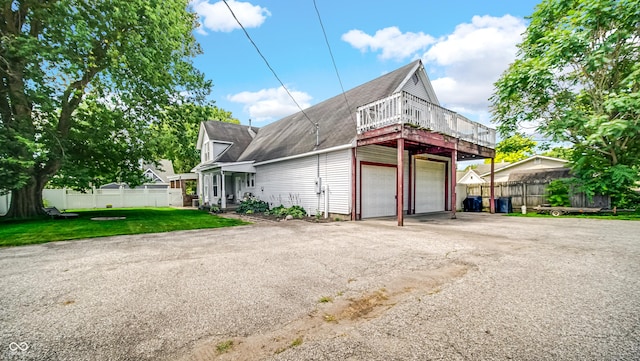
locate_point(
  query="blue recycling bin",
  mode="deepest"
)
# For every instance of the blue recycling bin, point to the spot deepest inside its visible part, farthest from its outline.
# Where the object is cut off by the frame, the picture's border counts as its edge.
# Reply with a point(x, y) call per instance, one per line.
point(472, 204)
point(503, 205)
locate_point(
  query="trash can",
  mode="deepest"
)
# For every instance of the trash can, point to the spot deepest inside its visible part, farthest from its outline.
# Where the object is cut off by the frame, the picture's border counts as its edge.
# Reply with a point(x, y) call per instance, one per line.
point(503, 205)
point(472, 204)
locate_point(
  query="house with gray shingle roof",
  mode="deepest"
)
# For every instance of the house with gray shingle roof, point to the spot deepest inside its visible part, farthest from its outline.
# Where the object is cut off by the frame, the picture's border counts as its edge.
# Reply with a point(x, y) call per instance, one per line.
point(352, 154)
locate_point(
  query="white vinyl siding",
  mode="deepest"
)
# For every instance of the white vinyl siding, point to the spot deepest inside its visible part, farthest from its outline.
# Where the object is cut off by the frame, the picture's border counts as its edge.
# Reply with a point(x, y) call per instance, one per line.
point(293, 182)
point(429, 186)
point(416, 89)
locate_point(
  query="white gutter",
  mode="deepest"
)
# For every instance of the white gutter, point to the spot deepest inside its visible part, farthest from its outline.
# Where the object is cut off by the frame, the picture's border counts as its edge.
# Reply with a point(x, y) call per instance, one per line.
point(328, 150)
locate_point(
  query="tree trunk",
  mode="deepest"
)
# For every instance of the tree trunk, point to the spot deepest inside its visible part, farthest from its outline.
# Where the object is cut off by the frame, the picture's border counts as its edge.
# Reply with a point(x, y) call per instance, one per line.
point(27, 201)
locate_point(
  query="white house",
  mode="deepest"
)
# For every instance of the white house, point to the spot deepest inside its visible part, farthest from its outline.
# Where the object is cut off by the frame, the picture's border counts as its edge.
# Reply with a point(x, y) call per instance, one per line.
point(389, 149)
point(534, 163)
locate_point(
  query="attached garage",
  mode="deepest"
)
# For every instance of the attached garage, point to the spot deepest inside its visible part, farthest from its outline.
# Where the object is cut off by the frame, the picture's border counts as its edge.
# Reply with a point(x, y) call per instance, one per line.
point(429, 186)
point(378, 192)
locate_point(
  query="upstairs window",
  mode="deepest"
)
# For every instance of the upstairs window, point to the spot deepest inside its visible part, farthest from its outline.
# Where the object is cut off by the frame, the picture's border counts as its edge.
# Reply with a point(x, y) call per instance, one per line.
point(207, 151)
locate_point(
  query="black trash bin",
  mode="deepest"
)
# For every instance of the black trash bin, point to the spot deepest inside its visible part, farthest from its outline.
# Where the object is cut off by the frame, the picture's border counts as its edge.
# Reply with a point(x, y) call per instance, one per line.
point(503, 205)
point(472, 204)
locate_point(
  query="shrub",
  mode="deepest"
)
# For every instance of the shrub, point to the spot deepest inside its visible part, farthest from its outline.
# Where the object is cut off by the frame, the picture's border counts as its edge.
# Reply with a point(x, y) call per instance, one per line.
point(294, 211)
point(253, 205)
point(558, 194)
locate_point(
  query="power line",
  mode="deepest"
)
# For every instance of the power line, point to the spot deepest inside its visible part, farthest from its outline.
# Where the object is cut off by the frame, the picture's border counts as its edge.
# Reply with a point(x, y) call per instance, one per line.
point(272, 71)
point(333, 60)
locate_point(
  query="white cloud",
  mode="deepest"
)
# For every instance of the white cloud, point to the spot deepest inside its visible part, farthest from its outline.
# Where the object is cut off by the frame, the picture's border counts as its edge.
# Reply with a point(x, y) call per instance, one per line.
point(472, 58)
point(270, 104)
point(391, 41)
point(463, 65)
point(217, 17)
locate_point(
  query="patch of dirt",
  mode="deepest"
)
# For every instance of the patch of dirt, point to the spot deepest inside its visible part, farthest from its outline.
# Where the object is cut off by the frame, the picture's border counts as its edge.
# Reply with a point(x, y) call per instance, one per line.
point(329, 320)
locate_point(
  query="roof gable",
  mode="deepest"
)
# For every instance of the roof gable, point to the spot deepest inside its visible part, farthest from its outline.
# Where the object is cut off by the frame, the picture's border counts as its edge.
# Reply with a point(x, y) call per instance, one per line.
point(417, 83)
point(160, 172)
point(237, 135)
point(295, 134)
point(471, 177)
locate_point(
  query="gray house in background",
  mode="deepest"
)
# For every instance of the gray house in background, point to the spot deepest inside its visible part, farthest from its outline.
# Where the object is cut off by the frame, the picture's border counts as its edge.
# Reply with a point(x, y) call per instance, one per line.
point(390, 150)
point(157, 176)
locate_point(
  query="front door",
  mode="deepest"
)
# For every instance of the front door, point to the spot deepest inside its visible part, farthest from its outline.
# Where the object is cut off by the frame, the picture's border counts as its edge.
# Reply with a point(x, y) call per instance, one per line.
point(239, 190)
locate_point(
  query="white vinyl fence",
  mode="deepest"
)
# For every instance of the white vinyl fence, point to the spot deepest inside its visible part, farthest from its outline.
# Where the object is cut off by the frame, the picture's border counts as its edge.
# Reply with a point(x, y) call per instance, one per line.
point(4, 203)
point(100, 198)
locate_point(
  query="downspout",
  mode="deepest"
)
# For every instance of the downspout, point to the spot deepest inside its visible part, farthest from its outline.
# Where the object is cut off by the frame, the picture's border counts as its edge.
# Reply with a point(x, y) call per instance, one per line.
point(326, 200)
point(318, 183)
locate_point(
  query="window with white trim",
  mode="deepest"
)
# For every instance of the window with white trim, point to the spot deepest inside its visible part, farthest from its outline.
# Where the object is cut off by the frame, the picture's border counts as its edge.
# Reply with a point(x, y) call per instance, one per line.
point(251, 180)
point(215, 185)
point(207, 151)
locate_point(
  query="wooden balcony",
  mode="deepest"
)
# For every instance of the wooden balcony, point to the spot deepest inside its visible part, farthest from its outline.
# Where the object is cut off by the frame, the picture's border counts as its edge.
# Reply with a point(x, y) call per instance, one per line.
point(408, 110)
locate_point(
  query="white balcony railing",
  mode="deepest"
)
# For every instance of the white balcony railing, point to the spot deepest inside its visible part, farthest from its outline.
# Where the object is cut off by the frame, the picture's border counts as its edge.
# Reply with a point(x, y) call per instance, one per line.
point(404, 108)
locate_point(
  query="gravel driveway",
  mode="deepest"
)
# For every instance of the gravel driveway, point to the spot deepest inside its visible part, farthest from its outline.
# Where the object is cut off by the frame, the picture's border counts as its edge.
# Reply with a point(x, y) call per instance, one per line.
point(478, 287)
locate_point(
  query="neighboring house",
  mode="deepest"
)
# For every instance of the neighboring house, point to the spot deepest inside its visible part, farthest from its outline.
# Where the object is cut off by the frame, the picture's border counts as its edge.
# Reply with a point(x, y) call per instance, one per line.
point(157, 176)
point(390, 150)
point(536, 162)
point(469, 177)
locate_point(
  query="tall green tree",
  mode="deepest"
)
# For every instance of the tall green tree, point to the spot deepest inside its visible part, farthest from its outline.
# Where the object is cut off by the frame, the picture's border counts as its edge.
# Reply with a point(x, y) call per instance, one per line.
point(514, 148)
point(577, 76)
point(560, 152)
point(81, 81)
point(177, 133)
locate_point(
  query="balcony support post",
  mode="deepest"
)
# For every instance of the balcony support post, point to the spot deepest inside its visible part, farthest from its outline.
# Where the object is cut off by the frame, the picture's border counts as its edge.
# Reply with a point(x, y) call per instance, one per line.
point(492, 203)
point(400, 183)
point(452, 178)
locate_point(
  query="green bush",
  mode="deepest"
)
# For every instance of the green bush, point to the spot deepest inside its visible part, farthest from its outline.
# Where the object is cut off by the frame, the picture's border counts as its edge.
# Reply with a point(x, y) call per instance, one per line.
point(253, 205)
point(558, 194)
point(294, 211)
point(626, 200)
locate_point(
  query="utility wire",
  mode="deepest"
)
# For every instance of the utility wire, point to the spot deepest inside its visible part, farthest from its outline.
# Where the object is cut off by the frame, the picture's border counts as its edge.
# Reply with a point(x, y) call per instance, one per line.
point(270, 68)
point(333, 60)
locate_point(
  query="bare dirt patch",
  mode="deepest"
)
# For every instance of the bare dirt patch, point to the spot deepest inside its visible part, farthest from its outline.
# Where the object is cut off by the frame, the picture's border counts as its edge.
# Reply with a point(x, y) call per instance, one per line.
point(330, 319)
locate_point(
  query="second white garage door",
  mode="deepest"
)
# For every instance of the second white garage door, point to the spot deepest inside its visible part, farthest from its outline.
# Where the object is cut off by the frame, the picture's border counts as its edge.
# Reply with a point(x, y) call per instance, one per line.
point(378, 191)
point(429, 186)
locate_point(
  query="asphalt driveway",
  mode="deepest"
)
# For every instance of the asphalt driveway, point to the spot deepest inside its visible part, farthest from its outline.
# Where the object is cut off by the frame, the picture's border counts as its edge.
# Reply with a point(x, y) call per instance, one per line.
point(478, 287)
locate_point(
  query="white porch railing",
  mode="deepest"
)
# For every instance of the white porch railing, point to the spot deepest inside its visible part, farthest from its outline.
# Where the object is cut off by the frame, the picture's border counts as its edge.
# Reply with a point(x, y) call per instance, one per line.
point(404, 108)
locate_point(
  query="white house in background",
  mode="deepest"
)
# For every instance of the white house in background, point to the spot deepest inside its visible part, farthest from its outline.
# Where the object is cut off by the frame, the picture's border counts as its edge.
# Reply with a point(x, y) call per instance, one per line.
point(533, 163)
point(469, 177)
point(389, 149)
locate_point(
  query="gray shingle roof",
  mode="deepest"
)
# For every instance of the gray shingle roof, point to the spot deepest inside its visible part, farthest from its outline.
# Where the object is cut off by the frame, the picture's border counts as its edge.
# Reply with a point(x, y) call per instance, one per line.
point(229, 132)
point(295, 134)
point(547, 174)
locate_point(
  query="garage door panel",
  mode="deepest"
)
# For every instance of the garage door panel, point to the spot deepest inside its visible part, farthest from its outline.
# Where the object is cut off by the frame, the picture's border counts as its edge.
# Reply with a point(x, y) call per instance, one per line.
point(378, 191)
point(430, 184)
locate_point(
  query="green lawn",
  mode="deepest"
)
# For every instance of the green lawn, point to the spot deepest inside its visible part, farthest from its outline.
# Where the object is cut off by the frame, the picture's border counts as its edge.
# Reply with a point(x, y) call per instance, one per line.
point(138, 220)
point(623, 216)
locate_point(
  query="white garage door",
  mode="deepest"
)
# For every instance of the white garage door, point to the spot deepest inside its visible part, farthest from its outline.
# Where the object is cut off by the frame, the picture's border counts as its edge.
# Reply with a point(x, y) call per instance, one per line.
point(378, 191)
point(429, 186)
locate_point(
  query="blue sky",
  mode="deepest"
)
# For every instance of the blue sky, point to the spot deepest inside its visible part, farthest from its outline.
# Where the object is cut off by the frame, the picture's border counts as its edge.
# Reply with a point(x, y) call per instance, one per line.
point(465, 46)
